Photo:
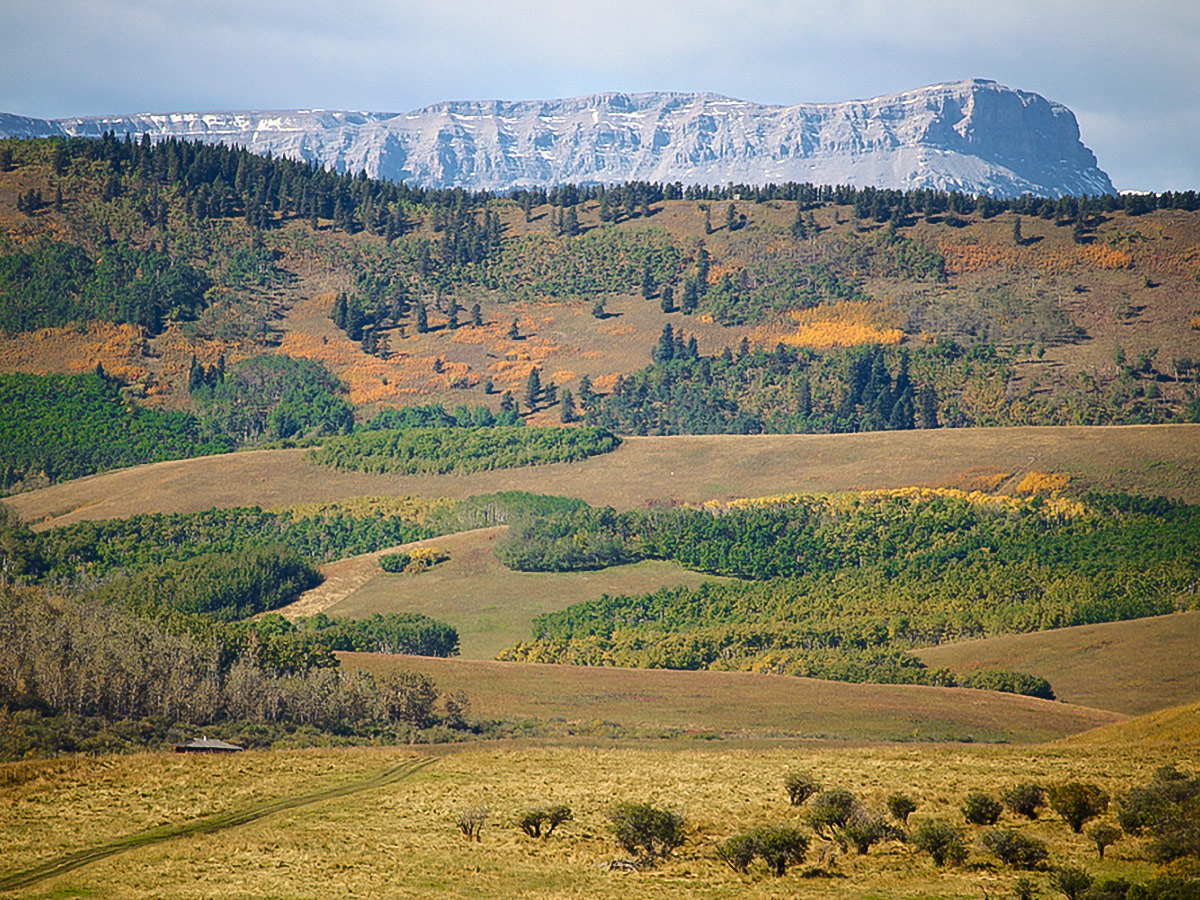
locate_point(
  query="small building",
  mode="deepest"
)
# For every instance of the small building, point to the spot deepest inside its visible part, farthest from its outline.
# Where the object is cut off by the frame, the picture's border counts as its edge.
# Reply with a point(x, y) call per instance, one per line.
point(207, 745)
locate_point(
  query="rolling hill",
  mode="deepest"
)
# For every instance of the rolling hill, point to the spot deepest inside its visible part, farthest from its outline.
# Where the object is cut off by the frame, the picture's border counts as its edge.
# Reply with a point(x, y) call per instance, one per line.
point(1133, 667)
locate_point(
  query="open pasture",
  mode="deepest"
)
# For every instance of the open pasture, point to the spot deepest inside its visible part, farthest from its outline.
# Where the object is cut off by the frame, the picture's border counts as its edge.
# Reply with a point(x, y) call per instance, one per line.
point(609, 701)
point(1132, 667)
point(1161, 459)
point(490, 606)
point(399, 839)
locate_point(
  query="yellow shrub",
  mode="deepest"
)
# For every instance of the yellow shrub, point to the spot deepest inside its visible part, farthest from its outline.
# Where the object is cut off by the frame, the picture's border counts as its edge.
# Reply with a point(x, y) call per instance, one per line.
point(1044, 483)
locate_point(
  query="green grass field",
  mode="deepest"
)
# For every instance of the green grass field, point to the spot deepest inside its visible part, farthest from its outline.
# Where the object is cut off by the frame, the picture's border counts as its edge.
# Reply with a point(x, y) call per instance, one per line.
point(491, 606)
point(1131, 667)
point(1163, 459)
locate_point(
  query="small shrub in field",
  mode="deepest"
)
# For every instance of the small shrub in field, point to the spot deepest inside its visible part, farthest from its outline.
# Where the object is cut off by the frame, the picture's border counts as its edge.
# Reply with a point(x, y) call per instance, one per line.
point(470, 822)
point(413, 561)
point(533, 820)
point(646, 831)
point(901, 806)
point(1072, 881)
point(1077, 802)
point(779, 846)
point(1024, 889)
point(738, 852)
point(981, 809)
point(865, 828)
point(1024, 799)
point(830, 810)
point(941, 840)
point(1014, 849)
point(799, 786)
point(1102, 834)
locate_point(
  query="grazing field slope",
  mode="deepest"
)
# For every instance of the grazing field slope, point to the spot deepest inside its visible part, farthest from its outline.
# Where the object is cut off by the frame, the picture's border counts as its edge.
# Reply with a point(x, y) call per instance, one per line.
point(1132, 667)
point(400, 840)
point(1161, 459)
point(489, 605)
point(613, 702)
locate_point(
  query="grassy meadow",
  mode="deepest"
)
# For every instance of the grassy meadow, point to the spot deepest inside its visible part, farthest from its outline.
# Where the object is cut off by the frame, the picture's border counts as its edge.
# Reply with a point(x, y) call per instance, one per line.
point(1132, 667)
point(704, 705)
point(489, 605)
point(400, 840)
point(1159, 459)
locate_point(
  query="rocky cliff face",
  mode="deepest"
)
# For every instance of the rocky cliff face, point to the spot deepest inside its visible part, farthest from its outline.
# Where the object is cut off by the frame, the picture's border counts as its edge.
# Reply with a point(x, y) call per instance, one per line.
point(974, 135)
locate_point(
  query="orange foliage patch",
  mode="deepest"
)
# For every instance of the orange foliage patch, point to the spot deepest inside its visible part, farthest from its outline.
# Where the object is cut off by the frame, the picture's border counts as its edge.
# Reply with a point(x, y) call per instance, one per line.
point(605, 383)
point(372, 379)
point(1044, 483)
point(562, 376)
point(963, 258)
point(845, 324)
point(1106, 257)
point(71, 350)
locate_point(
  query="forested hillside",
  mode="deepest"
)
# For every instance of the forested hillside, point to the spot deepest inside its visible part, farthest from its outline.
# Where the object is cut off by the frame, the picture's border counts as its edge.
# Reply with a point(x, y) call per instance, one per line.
point(642, 308)
point(838, 587)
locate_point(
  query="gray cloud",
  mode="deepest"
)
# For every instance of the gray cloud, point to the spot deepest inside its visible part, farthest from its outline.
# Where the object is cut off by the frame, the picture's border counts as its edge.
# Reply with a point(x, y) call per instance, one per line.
point(1128, 72)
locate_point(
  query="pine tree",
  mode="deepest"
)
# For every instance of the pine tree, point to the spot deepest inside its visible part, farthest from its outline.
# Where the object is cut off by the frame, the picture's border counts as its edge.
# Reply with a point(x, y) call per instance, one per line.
point(1017, 239)
point(668, 299)
point(664, 352)
point(476, 315)
point(587, 398)
point(533, 388)
point(731, 218)
point(452, 316)
point(550, 393)
point(566, 412)
point(514, 333)
point(570, 225)
point(647, 284)
point(691, 296)
point(422, 317)
point(507, 403)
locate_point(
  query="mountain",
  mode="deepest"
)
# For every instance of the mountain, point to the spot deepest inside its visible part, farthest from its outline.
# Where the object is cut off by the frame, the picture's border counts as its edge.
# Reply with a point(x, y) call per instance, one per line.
point(975, 135)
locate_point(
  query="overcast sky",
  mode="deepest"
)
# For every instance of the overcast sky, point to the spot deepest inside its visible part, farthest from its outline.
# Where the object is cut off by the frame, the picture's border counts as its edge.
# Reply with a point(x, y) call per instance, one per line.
point(1129, 70)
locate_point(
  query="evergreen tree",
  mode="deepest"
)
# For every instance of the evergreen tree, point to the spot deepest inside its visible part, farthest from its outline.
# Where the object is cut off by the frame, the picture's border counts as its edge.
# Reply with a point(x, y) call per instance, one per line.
point(476, 315)
point(533, 388)
point(587, 397)
point(452, 316)
point(1017, 238)
point(514, 333)
point(422, 317)
point(566, 412)
point(647, 283)
point(799, 229)
point(664, 352)
point(731, 218)
point(929, 416)
point(668, 299)
point(570, 225)
point(507, 403)
point(691, 296)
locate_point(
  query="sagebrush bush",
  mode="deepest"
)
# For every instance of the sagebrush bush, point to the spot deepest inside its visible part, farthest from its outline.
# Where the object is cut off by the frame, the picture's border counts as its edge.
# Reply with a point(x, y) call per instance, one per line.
point(1024, 799)
point(981, 809)
point(646, 831)
point(944, 842)
point(1021, 851)
point(800, 786)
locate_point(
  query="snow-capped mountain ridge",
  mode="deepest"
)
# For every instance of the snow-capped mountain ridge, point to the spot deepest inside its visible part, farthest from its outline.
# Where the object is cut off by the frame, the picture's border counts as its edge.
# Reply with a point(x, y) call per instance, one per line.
point(972, 135)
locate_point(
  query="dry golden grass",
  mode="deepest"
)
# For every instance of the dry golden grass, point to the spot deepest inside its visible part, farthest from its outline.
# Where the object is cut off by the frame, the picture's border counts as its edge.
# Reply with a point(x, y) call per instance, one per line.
point(400, 841)
point(1175, 730)
point(1159, 459)
point(1132, 667)
point(601, 701)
